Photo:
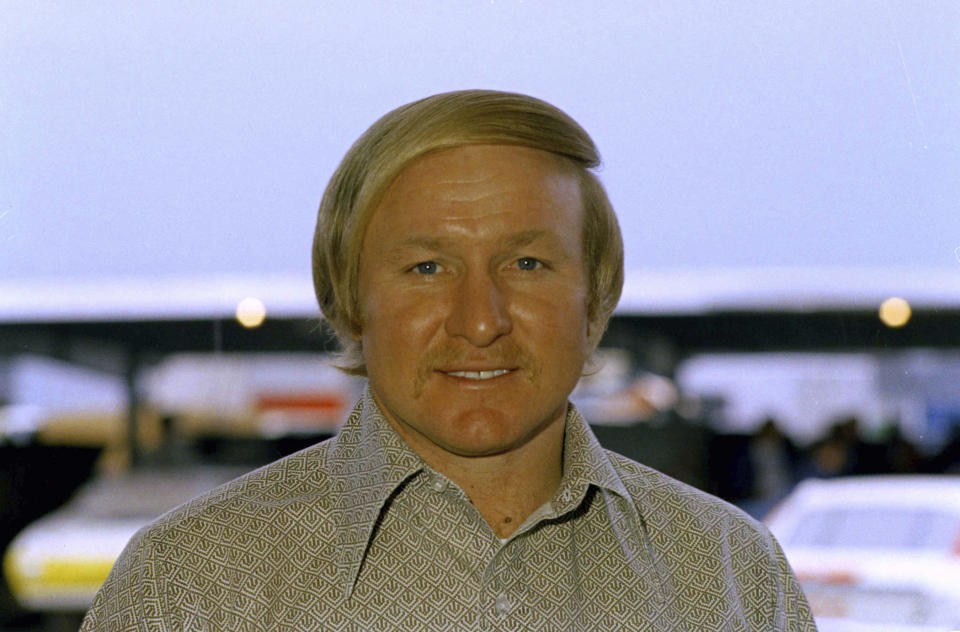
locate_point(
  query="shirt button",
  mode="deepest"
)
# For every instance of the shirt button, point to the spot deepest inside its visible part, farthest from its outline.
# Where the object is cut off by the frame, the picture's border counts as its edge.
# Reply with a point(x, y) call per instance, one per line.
point(439, 485)
point(503, 605)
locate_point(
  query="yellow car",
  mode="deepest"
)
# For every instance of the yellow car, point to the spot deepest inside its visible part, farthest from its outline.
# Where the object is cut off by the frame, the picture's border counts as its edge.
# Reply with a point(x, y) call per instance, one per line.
point(57, 563)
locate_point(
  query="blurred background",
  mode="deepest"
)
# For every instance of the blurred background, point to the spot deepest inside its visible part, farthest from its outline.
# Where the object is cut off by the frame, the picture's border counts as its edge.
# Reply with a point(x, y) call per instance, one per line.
point(785, 174)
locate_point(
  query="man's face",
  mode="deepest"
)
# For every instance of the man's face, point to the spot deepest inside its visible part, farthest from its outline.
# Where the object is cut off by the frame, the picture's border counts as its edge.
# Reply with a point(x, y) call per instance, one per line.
point(473, 298)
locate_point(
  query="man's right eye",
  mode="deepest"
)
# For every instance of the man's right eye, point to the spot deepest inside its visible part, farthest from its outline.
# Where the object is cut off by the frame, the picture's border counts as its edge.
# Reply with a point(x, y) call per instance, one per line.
point(427, 267)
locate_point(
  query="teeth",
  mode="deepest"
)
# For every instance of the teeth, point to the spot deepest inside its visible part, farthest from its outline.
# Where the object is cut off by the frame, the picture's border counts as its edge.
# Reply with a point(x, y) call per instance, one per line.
point(479, 375)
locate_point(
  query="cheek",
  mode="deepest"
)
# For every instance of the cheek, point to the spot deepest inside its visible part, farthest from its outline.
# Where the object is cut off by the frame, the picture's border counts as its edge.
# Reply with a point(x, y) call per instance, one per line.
point(555, 331)
point(560, 311)
point(393, 323)
point(576, 329)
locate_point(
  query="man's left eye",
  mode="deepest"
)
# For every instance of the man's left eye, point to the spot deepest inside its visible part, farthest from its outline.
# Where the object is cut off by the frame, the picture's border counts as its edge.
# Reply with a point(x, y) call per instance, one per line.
point(528, 263)
point(426, 267)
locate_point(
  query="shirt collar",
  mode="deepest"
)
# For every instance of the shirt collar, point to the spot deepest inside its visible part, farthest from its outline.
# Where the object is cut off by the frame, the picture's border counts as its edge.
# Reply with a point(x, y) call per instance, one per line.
point(369, 461)
point(585, 463)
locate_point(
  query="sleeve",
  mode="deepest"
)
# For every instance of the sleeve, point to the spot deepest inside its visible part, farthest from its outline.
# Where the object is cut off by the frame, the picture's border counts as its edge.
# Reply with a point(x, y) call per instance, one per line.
point(133, 597)
point(792, 611)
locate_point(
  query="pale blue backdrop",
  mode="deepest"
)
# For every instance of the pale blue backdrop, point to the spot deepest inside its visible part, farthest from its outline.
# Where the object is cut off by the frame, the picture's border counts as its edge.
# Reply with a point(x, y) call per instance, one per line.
point(149, 139)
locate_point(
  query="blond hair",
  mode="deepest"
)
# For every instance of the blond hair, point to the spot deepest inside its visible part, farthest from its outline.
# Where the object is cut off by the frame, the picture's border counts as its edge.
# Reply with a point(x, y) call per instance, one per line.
point(444, 121)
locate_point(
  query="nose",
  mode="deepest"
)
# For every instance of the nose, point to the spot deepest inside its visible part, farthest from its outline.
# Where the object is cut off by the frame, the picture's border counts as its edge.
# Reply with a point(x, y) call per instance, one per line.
point(478, 311)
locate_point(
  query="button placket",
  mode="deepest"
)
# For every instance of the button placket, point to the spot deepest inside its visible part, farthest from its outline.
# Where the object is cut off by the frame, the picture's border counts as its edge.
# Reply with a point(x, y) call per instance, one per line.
point(502, 605)
point(501, 581)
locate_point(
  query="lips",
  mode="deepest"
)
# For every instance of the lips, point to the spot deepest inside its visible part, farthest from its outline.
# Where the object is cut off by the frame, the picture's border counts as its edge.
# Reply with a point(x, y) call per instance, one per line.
point(478, 375)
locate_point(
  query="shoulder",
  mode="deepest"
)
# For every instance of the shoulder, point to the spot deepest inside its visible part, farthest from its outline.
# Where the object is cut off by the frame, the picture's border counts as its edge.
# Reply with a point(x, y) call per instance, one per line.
point(647, 484)
point(265, 507)
point(707, 544)
point(294, 488)
point(239, 528)
point(673, 509)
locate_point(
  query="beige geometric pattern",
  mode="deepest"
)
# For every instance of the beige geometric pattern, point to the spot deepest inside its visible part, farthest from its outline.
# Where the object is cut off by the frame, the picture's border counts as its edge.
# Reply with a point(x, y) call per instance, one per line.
point(358, 533)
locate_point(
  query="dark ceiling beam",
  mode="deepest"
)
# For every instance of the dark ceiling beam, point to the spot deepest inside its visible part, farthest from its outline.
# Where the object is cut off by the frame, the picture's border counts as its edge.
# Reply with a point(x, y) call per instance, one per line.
point(682, 334)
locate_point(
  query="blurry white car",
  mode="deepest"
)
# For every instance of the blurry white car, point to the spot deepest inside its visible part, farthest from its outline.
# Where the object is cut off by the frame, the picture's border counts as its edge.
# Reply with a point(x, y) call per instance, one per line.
point(876, 553)
point(57, 563)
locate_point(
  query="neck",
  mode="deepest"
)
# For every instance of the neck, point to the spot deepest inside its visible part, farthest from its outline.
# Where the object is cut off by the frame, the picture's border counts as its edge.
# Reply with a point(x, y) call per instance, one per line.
point(506, 487)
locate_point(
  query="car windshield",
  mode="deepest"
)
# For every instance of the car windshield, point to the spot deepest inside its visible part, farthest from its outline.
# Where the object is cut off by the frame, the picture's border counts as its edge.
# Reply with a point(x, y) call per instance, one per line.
point(877, 528)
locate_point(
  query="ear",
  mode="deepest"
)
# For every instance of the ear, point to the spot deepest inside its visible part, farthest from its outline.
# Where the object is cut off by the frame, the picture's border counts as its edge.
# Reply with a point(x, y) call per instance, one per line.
point(356, 326)
point(591, 329)
point(356, 332)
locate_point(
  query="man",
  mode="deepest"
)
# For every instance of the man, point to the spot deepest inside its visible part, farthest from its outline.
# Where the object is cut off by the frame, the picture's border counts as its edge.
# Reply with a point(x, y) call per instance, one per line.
point(468, 260)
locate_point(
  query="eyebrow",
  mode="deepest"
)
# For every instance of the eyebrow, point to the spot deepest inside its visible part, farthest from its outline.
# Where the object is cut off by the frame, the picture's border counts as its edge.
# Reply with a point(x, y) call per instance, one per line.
point(527, 237)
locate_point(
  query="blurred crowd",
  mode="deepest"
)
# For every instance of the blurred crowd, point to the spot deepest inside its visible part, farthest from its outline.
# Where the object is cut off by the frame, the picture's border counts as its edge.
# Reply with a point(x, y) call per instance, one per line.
point(760, 469)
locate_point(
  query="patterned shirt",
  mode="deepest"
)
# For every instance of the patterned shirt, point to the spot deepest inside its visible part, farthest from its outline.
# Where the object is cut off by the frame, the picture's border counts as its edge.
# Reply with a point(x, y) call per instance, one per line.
point(359, 533)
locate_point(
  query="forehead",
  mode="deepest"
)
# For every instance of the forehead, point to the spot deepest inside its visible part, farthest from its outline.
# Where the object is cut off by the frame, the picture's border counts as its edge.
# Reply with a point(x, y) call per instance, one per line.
point(471, 164)
point(486, 184)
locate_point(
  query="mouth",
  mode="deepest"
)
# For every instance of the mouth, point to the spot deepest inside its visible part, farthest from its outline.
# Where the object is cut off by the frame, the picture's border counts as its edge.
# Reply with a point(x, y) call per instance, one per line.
point(478, 375)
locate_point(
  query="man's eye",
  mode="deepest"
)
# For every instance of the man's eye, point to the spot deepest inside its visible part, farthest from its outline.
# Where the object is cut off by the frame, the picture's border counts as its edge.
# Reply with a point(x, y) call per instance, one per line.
point(528, 263)
point(427, 267)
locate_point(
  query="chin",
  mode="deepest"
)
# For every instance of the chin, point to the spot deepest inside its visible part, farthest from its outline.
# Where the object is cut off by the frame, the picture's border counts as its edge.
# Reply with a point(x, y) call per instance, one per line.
point(489, 432)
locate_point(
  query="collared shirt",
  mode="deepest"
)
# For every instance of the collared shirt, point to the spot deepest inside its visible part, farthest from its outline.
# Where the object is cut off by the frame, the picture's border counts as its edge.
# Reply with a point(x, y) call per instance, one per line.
point(359, 533)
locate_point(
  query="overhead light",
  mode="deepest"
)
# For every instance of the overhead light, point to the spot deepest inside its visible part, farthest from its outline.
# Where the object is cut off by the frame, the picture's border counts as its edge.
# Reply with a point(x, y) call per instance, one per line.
point(895, 312)
point(251, 312)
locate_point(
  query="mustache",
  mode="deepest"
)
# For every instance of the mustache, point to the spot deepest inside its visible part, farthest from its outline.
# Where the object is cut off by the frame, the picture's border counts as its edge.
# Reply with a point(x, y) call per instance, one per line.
point(505, 353)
